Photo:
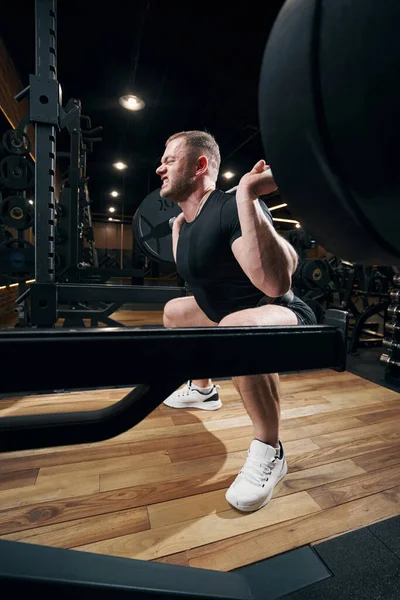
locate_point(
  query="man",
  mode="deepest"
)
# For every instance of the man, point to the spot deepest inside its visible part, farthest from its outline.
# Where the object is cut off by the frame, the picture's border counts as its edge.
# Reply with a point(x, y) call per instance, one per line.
point(239, 271)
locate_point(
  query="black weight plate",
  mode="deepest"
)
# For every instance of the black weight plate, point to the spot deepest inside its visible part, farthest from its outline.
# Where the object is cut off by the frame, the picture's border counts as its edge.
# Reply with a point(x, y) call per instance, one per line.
point(16, 173)
point(151, 227)
point(16, 142)
point(17, 258)
point(314, 274)
point(17, 213)
point(329, 116)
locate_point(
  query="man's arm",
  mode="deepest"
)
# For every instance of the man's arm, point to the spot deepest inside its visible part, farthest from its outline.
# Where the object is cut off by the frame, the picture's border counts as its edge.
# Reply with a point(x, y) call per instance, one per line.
point(267, 259)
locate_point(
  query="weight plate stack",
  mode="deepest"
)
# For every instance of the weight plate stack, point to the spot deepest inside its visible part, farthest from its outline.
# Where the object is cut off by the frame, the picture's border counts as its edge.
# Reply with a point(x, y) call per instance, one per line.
point(391, 342)
point(17, 213)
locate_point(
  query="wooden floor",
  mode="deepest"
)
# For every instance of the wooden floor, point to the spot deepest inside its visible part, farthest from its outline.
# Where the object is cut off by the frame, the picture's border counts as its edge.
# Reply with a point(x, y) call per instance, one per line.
point(157, 492)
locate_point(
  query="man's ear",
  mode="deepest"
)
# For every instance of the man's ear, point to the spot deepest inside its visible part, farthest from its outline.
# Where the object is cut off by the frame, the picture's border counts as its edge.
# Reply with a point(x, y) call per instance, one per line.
point(201, 165)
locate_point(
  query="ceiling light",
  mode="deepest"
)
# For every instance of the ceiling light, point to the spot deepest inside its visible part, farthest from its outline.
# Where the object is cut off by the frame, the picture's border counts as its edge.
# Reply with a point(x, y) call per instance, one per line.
point(131, 102)
point(110, 218)
point(114, 194)
point(284, 220)
point(111, 209)
point(30, 201)
point(298, 225)
point(120, 166)
point(277, 206)
point(228, 175)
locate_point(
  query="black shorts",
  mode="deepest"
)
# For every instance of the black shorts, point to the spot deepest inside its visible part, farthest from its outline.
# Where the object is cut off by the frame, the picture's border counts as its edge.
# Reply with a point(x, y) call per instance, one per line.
point(304, 313)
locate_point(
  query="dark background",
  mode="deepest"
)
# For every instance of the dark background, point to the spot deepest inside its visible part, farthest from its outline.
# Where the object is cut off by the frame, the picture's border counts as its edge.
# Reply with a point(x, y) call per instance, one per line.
point(195, 65)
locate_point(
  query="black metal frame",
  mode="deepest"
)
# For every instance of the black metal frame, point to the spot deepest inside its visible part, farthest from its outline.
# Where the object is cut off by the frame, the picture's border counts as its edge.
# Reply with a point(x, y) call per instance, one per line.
point(48, 116)
point(134, 356)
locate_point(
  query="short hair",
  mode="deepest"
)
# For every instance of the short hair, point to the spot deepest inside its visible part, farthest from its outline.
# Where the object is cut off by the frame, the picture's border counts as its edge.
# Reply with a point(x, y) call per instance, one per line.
point(205, 143)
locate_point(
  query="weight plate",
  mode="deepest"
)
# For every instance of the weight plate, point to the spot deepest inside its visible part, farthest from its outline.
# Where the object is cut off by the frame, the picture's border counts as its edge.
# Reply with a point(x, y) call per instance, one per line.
point(16, 173)
point(318, 141)
point(17, 142)
point(151, 227)
point(17, 258)
point(314, 274)
point(17, 213)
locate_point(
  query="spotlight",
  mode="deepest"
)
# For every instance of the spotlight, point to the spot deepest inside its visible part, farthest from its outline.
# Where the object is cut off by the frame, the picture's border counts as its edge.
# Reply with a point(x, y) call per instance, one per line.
point(120, 166)
point(131, 102)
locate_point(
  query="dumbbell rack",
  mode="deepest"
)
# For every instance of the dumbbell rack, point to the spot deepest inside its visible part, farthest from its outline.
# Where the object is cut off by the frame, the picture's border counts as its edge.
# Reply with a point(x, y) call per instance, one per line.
point(391, 357)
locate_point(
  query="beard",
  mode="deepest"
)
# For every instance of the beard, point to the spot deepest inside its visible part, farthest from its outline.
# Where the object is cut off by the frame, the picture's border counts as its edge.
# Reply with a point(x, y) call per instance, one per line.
point(179, 188)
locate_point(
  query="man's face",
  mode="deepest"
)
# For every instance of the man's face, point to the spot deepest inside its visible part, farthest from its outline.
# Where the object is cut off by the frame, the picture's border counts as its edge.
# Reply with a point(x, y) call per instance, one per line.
point(177, 171)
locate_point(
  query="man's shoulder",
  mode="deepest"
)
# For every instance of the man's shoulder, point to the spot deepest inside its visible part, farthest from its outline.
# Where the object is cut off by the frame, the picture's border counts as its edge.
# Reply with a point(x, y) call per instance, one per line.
point(222, 197)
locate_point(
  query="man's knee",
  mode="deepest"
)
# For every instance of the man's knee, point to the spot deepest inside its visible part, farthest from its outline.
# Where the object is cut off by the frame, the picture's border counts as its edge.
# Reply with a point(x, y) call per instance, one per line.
point(171, 313)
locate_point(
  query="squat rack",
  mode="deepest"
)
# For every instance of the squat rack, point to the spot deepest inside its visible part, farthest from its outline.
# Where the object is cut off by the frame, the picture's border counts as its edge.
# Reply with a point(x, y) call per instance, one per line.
point(48, 116)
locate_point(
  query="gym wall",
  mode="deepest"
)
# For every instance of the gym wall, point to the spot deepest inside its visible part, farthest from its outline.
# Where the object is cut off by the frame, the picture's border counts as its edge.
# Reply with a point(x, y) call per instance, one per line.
point(108, 235)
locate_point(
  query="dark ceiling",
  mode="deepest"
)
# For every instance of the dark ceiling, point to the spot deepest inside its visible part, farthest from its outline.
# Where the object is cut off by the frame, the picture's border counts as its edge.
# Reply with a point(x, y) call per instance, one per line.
point(195, 65)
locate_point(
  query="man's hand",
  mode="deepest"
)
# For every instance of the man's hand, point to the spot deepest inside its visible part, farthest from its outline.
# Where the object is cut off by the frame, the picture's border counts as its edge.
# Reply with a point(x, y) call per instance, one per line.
point(258, 182)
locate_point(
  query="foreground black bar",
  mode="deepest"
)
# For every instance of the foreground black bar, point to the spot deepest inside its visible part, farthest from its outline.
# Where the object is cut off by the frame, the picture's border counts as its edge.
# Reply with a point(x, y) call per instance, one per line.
point(55, 572)
point(46, 360)
point(154, 361)
point(68, 292)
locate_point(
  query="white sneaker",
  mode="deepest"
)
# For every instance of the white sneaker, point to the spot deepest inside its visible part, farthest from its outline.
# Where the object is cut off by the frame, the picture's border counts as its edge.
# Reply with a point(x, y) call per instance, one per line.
point(193, 397)
point(253, 487)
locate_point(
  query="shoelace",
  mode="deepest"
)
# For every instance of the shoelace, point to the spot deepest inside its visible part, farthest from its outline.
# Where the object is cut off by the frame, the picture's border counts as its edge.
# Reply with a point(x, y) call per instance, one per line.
point(186, 391)
point(256, 472)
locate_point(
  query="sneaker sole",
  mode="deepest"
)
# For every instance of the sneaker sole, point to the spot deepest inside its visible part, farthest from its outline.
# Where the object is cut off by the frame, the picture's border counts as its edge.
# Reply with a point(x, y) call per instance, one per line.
point(213, 405)
point(254, 507)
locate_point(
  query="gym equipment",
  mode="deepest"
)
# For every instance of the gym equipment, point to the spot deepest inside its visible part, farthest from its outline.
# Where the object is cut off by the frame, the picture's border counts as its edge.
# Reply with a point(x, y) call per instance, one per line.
point(17, 213)
point(333, 160)
point(312, 275)
point(391, 342)
point(16, 172)
point(152, 226)
point(17, 142)
point(17, 260)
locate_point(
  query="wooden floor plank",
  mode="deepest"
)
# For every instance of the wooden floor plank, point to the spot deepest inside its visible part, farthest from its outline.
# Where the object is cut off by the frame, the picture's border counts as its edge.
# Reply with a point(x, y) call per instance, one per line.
point(173, 472)
point(251, 547)
point(317, 476)
point(175, 559)
point(340, 437)
point(65, 486)
point(354, 449)
point(69, 509)
point(339, 492)
point(388, 456)
point(378, 417)
point(13, 461)
point(152, 544)
point(17, 479)
point(85, 531)
point(107, 465)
